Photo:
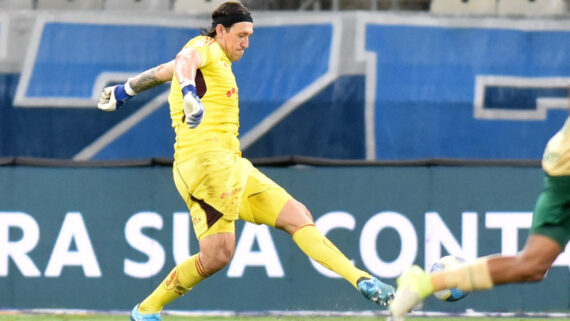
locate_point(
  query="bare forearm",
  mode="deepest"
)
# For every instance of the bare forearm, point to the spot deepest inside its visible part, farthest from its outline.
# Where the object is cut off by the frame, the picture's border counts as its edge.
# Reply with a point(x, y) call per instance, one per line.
point(152, 77)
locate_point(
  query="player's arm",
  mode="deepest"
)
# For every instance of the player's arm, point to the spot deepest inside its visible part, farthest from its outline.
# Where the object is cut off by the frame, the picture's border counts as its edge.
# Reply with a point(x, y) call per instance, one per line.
point(152, 77)
point(187, 61)
point(113, 97)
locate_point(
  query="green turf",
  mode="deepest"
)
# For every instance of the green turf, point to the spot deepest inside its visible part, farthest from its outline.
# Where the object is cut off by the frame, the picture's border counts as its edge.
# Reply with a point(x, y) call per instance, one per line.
point(39, 317)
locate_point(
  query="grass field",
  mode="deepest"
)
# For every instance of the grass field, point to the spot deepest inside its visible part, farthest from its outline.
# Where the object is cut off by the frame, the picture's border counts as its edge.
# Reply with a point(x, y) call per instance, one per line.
point(40, 317)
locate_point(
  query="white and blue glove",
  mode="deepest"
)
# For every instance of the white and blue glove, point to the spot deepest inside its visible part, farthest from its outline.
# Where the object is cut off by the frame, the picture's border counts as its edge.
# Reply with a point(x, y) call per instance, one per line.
point(193, 107)
point(113, 97)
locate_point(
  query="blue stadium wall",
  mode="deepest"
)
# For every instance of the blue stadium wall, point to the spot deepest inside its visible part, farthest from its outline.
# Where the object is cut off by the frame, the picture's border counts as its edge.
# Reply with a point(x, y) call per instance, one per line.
point(429, 87)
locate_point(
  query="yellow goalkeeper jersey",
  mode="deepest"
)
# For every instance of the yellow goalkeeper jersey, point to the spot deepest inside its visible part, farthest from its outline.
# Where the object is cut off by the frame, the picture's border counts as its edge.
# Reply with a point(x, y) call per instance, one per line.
point(556, 158)
point(216, 85)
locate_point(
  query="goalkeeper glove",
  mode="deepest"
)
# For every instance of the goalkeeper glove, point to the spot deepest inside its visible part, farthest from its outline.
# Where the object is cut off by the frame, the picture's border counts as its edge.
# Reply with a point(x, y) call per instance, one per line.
point(113, 97)
point(193, 107)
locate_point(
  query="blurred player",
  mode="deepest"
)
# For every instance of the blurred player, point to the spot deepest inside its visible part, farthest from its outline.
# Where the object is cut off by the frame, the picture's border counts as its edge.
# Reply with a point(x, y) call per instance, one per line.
point(218, 185)
point(549, 234)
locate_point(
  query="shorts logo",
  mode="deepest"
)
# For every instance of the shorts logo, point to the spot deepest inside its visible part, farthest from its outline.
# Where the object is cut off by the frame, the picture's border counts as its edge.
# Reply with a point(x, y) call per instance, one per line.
point(196, 220)
point(230, 193)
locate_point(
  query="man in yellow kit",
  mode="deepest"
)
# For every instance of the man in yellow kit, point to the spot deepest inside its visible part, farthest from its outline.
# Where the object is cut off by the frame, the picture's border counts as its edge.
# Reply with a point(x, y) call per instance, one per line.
point(549, 234)
point(218, 184)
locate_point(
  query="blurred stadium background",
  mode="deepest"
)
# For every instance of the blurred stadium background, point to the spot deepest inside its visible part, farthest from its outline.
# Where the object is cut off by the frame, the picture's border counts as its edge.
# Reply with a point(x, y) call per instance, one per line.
point(410, 128)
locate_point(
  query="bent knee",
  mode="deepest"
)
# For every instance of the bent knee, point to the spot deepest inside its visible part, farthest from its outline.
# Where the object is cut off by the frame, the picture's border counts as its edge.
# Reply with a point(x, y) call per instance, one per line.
point(223, 257)
point(306, 212)
point(293, 216)
point(217, 260)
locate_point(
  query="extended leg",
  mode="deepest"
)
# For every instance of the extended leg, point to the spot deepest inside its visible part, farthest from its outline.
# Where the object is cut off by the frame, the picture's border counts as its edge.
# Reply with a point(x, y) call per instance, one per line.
point(296, 220)
point(530, 265)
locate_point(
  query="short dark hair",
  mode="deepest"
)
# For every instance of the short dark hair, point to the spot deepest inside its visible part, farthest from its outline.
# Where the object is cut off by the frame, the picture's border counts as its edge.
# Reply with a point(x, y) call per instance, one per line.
point(224, 10)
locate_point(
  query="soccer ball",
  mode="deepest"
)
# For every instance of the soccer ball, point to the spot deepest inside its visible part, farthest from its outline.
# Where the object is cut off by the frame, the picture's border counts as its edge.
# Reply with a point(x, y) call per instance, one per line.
point(446, 263)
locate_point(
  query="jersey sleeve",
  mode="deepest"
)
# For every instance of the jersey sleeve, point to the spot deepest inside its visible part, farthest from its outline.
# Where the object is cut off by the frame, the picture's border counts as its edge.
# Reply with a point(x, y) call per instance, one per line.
point(203, 45)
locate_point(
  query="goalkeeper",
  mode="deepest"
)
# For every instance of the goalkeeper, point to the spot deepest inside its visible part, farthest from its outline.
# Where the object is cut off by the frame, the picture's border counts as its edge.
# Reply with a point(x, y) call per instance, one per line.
point(549, 234)
point(216, 182)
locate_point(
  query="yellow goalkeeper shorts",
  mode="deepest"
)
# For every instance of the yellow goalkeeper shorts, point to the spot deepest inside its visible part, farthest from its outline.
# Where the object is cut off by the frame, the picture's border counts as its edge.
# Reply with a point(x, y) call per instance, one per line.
point(220, 188)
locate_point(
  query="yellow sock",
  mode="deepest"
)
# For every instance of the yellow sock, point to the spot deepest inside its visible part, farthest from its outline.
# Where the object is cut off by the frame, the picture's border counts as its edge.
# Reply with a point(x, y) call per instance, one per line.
point(469, 277)
point(179, 281)
point(316, 246)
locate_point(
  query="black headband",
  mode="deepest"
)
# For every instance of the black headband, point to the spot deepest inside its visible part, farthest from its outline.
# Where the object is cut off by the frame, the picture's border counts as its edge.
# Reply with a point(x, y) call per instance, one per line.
point(228, 21)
